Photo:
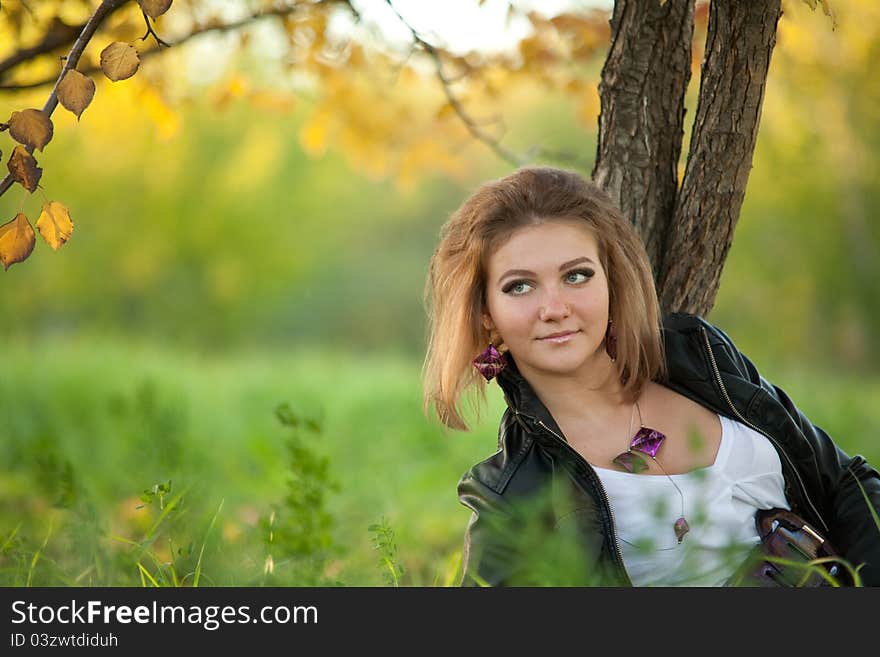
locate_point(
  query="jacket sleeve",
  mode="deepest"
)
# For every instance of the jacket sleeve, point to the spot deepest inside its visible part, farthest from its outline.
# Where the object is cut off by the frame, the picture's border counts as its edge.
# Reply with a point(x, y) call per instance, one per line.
point(488, 554)
point(851, 513)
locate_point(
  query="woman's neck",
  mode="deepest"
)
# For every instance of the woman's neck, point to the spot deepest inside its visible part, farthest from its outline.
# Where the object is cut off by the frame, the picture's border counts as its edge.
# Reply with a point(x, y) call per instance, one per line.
point(591, 398)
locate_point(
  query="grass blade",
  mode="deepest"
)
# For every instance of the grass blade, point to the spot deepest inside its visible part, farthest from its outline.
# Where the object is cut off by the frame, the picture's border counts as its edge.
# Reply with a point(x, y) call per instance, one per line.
point(145, 573)
point(38, 553)
point(171, 506)
point(11, 536)
point(204, 542)
point(867, 500)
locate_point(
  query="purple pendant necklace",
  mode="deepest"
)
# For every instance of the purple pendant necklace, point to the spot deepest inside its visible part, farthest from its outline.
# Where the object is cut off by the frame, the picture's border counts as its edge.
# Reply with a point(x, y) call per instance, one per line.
point(648, 441)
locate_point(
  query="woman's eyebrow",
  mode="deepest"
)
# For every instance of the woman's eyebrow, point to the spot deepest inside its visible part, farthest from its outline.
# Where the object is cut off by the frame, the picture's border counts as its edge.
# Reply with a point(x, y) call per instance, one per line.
point(526, 272)
point(576, 261)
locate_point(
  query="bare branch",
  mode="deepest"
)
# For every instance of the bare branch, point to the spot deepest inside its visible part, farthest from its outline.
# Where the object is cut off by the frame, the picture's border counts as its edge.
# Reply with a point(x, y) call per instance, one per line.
point(567, 158)
point(159, 42)
point(471, 124)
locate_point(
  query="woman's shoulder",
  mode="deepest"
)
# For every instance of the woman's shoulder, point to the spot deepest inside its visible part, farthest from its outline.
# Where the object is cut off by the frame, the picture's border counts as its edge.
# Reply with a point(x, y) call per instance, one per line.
point(496, 471)
point(687, 323)
point(686, 335)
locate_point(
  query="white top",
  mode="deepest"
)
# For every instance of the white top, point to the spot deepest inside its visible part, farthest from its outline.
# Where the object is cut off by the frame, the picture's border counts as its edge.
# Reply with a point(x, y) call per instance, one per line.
point(719, 505)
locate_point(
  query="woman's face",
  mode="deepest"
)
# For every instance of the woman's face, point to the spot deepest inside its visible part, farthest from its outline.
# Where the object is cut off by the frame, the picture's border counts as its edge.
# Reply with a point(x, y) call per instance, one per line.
point(547, 298)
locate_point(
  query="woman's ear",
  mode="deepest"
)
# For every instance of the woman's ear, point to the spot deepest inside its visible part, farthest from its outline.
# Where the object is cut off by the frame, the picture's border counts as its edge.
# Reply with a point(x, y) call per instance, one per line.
point(488, 324)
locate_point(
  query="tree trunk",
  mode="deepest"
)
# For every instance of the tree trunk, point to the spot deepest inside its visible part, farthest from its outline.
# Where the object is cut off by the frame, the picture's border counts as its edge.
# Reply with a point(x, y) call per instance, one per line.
point(641, 123)
point(688, 231)
point(740, 40)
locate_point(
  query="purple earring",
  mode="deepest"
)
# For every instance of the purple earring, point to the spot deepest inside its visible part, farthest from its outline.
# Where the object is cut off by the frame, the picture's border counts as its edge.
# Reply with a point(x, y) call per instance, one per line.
point(611, 341)
point(490, 362)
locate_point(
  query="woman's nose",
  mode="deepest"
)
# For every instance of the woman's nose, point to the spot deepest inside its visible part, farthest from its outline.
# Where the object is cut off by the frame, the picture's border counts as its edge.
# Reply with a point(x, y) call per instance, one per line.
point(554, 307)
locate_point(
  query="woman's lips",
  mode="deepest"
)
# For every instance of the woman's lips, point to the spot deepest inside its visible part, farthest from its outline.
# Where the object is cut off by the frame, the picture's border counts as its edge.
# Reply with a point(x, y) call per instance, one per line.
point(559, 338)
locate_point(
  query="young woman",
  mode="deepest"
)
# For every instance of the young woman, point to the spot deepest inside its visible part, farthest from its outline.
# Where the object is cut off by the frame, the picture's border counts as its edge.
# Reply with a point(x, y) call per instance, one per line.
point(634, 449)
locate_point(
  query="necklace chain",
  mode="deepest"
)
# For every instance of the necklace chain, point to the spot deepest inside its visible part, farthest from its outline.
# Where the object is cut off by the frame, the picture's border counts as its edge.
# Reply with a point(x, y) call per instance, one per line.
point(631, 437)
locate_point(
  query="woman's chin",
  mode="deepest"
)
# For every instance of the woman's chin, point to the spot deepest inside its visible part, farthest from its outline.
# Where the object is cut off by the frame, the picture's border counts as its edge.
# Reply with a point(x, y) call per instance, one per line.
point(561, 364)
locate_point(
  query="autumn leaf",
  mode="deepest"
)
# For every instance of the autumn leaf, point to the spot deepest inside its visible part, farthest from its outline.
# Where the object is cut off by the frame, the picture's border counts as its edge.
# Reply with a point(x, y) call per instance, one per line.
point(54, 224)
point(24, 169)
point(31, 127)
point(154, 8)
point(75, 92)
point(119, 61)
point(16, 240)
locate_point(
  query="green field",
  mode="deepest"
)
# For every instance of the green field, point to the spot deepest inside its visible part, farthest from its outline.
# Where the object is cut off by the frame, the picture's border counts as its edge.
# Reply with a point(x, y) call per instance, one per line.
point(88, 426)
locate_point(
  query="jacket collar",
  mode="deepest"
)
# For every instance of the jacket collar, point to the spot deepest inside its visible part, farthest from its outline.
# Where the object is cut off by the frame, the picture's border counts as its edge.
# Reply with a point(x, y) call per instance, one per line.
point(521, 397)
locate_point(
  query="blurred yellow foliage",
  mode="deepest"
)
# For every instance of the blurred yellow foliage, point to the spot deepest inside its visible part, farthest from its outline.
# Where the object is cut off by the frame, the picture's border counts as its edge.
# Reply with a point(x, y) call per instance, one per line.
point(314, 132)
point(819, 76)
point(165, 119)
point(256, 156)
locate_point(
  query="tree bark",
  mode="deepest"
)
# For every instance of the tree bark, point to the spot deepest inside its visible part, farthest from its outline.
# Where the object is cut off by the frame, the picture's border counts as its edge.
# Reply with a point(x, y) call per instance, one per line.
point(739, 43)
point(641, 121)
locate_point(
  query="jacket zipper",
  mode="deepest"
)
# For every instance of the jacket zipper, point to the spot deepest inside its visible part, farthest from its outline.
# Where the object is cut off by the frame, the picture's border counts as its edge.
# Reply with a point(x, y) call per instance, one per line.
point(767, 435)
point(596, 484)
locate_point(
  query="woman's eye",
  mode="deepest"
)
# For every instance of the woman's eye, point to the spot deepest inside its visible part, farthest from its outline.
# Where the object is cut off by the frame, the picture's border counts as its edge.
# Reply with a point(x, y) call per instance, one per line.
point(579, 276)
point(517, 287)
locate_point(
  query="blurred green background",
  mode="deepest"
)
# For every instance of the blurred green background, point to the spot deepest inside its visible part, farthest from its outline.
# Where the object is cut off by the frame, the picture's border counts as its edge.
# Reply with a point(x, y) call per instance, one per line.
point(218, 270)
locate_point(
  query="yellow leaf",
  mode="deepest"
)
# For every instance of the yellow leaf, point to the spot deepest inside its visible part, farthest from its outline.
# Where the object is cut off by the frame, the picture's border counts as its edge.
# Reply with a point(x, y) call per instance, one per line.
point(16, 240)
point(54, 224)
point(154, 8)
point(75, 92)
point(24, 169)
point(119, 61)
point(31, 127)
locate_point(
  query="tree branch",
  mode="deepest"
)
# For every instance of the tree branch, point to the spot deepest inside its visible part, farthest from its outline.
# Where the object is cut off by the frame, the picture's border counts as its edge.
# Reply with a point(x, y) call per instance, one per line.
point(278, 12)
point(470, 123)
point(59, 34)
point(150, 30)
point(70, 62)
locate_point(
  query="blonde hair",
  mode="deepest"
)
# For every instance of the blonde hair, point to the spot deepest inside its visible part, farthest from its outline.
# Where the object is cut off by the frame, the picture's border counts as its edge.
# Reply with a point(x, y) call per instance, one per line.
point(455, 287)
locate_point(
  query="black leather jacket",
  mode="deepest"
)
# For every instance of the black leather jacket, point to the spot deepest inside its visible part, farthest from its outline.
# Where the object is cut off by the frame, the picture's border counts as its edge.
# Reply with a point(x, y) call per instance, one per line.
point(535, 469)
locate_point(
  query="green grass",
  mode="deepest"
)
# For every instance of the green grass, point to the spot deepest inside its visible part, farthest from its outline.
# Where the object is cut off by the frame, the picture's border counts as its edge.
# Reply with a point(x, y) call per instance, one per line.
point(87, 426)
point(90, 429)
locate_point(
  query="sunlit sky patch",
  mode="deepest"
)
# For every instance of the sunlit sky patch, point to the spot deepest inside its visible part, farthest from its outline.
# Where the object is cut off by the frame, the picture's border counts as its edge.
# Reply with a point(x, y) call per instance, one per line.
point(457, 25)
